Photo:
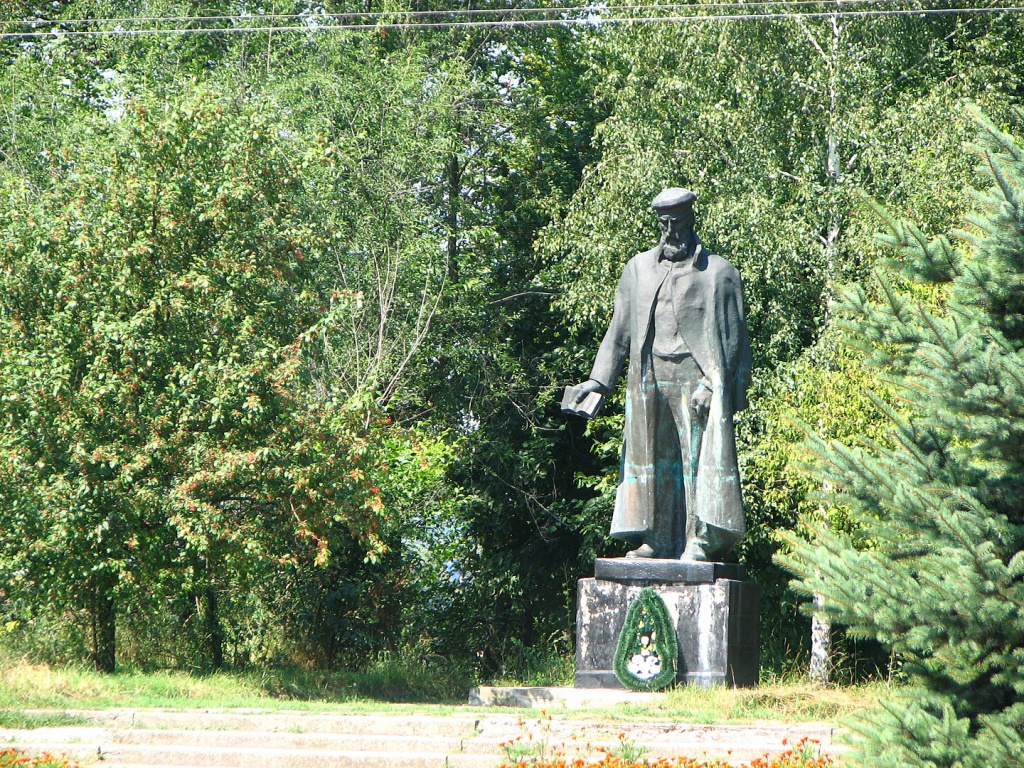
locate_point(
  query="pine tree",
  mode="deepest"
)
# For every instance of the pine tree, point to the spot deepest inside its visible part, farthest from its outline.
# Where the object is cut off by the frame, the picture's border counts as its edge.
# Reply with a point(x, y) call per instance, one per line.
point(938, 574)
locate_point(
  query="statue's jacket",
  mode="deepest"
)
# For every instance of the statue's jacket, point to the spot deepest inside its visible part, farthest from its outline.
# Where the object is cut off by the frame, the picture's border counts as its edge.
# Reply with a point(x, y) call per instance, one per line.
point(708, 299)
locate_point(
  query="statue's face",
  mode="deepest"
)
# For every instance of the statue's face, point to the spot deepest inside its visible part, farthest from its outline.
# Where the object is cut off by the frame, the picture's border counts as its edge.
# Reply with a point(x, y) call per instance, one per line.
point(675, 228)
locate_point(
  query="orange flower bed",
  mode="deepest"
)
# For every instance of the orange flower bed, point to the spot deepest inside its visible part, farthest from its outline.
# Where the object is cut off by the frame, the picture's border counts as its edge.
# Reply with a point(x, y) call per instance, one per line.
point(804, 754)
point(15, 757)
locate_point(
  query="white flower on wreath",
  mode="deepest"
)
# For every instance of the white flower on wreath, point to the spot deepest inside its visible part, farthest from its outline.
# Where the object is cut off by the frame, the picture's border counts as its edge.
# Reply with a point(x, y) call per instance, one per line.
point(644, 666)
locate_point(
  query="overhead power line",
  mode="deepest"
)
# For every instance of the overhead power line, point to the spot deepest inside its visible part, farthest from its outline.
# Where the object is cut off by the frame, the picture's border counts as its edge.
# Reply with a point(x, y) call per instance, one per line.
point(513, 23)
point(467, 12)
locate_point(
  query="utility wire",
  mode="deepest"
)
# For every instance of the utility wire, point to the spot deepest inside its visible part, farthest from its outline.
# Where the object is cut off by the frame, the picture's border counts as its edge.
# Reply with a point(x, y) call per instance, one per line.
point(592, 9)
point(516, 23)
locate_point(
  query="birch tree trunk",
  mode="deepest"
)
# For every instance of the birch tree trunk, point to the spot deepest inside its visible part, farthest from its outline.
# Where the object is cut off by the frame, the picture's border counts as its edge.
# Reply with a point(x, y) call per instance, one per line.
point(821, 644)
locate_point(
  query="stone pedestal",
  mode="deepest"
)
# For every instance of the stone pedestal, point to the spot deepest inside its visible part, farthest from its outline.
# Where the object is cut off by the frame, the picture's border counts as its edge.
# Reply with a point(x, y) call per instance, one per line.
point(716, 615)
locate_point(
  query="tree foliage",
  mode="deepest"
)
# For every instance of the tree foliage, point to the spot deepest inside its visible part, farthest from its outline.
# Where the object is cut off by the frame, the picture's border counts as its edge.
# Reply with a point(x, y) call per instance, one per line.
point(941, 583)
point(280, 238)
point(157, 301)
point(463, 201)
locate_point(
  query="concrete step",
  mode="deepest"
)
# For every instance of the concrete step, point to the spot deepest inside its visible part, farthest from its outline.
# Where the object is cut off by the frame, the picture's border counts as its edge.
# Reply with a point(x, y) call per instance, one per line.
point(457, 724)
point(388, 742)
point(657, 737)
point(255, 757)
point(249, 739)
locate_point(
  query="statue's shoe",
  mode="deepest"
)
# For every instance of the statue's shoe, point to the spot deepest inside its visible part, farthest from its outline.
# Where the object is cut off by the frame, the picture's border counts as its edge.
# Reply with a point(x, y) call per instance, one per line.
point(644, 550)
point(694, 551)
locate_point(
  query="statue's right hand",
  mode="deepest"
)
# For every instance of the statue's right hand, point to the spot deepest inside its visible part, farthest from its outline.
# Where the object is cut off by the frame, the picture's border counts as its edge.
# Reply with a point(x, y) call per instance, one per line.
point(587, 387)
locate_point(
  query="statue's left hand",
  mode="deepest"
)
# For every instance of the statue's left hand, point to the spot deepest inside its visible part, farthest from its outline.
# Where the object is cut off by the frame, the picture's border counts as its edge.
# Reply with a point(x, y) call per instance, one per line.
point(701, 401)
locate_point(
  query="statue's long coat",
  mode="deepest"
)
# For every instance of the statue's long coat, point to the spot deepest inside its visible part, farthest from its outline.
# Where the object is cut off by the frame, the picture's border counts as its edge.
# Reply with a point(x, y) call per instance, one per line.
point(708, 300)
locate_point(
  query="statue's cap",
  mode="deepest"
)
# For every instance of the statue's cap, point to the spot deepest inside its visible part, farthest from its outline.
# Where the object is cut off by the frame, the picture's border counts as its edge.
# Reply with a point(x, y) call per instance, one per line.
point(673, 200)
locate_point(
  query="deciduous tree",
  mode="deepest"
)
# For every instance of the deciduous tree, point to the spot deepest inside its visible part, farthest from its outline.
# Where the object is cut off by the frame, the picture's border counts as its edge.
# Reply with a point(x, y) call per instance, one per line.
point(158, 305)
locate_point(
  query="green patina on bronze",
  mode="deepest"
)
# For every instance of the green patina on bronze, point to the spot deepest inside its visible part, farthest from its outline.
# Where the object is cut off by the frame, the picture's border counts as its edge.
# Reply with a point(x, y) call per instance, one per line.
point(647, 655)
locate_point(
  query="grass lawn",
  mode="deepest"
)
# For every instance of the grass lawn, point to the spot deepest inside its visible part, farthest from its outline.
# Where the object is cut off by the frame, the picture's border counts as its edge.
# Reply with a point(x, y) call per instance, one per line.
point(38, 686)
point(390, 687)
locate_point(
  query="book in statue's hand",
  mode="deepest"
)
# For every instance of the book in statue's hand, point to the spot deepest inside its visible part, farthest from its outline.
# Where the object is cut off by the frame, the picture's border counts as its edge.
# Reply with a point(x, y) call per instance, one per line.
point(588, 407)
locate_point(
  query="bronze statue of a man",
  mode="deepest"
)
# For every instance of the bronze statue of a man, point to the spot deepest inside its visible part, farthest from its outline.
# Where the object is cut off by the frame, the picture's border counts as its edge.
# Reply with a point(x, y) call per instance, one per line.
point(679, 319)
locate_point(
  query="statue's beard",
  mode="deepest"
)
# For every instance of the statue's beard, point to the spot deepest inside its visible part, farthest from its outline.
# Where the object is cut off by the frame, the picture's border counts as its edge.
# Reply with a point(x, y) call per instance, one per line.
point(674, 246)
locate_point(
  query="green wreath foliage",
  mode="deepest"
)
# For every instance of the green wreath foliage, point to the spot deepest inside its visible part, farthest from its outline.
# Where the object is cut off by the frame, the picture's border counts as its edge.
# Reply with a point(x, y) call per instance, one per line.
point(647, 654)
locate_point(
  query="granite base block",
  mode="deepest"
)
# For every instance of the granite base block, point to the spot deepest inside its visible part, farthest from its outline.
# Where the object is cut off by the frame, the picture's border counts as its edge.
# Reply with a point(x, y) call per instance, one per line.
point(718, 626)
point(627, 571)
